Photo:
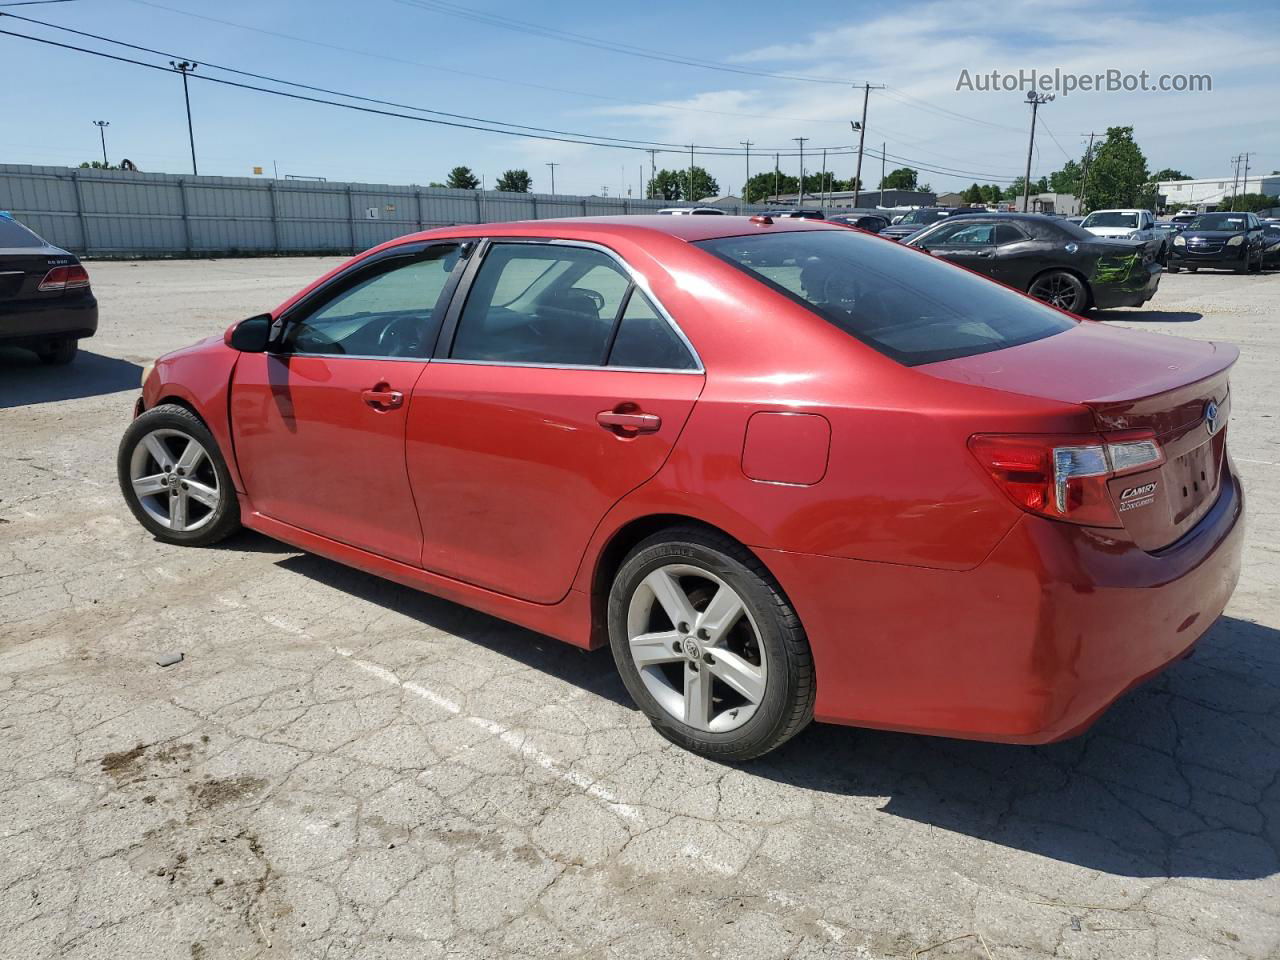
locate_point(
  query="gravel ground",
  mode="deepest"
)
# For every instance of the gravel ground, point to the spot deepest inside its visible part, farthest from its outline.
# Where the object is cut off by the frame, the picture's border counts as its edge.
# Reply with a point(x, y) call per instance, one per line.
point(342, 767)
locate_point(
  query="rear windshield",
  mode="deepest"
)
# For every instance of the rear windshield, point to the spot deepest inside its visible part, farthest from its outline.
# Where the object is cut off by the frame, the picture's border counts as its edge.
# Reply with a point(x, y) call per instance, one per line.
point(903, 303)
point(13, 234)
point(924, 216)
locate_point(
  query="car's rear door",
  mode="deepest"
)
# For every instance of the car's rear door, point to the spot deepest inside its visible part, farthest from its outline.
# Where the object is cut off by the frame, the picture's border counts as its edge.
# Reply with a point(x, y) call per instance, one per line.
point(559, 386)
point(319, 420)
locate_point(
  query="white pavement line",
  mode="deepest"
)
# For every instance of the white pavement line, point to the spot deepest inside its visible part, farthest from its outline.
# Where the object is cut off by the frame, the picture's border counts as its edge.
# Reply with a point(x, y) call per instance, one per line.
point(516, 741)
point(695, 852)
point(1265, 463)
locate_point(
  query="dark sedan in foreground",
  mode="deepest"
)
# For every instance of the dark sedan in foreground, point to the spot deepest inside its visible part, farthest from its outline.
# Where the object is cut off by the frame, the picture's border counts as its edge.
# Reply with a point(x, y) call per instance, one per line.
point(1051, 259)
point(784, 469)
point(1228, 240)
point(45, 301)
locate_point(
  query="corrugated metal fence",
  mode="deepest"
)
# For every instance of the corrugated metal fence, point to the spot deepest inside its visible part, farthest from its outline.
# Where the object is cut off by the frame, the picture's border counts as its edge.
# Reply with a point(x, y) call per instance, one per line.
point(113, 213)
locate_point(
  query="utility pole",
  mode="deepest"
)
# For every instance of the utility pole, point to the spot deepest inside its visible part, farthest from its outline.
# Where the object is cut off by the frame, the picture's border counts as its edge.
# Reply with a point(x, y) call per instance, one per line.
point(184, 68)
point(1236, 181)
point(883, 147)
point(776, 171)
point(1244, 184)
point(800, 194)
point(690, 198)
point(102, 130)
point(746, 187)
point(553, 177)
point(861, 130)
point(1084, 173)
point(653, 172)
point(1035, 100)
point(822, 184)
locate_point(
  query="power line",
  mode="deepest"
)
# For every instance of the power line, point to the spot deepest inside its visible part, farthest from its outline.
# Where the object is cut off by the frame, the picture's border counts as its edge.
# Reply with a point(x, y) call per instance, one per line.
point(907, 100)
point(470, 73)
point(525, 27)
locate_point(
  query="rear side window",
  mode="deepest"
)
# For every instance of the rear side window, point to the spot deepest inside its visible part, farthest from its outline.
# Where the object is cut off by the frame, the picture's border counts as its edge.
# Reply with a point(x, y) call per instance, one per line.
point(646, 340)
point(13, 234)
point(907, 305)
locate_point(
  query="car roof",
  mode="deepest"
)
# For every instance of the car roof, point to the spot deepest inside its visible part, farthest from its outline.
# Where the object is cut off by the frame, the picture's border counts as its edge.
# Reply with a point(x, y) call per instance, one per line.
point(601, 229)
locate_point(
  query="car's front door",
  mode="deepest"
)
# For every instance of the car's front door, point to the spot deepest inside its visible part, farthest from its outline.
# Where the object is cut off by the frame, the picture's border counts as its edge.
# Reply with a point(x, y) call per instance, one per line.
point(559, 387)
point(319, 420)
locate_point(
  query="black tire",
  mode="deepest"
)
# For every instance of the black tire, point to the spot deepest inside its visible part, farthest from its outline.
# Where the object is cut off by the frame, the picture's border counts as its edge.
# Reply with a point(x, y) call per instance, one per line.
point(221, 521)
point(1061, 289)
point(786, 706)
point(1173, 269)
point(59, 352)
point(1192, 269)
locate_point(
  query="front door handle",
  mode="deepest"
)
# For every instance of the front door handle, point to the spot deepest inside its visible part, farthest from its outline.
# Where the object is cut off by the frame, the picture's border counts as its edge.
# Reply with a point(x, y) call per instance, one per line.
point(629, 424)
point(382, 397)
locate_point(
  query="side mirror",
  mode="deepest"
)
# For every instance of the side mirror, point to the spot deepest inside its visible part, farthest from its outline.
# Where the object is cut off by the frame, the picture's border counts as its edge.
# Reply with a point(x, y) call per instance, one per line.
point(250, 336)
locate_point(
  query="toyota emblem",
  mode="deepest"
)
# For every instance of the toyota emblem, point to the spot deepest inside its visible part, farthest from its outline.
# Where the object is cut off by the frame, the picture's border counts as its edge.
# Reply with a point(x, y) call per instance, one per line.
point(1211, 417)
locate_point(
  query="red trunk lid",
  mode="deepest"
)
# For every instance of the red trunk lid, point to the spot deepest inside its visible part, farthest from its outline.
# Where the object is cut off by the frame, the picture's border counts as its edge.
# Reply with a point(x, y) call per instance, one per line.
point(1130, 380)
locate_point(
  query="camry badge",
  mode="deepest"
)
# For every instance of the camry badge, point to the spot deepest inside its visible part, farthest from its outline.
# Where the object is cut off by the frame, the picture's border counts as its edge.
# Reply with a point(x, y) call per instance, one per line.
point(1211, 417)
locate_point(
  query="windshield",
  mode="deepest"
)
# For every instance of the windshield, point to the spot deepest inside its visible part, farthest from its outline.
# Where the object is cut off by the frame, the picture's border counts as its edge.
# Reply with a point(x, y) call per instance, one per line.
point(921, 217)
point(1234, 222)
point(909, 306)
point(1109, 218)
point(14, 234)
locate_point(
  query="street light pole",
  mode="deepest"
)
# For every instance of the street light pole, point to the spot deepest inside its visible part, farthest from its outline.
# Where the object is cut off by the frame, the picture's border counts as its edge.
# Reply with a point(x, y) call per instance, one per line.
point(184, 68)
point(861, 129)
point(553, 177)
point(800, 194)
point(102, 131)
point(1036, 100)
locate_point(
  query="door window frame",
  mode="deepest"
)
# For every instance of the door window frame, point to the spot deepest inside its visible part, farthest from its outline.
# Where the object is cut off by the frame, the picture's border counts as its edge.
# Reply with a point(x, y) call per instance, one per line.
point(355, 275)
point(475, 263)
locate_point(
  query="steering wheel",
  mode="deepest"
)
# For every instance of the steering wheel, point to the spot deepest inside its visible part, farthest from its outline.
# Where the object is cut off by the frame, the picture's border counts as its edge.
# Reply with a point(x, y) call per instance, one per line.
point(399, 338)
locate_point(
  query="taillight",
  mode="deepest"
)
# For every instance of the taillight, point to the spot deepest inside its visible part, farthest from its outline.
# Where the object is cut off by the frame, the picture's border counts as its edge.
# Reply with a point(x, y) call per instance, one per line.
point(73, 277)
point(1065, 477)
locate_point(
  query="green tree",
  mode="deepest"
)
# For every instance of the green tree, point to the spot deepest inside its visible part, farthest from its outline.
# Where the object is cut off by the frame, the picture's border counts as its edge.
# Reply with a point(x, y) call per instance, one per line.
point(1250, 202)
point(1118, 173)
point(1168, 173)
point(1066, 180)
point(904, 178)
point(461, 178)
point(98, 165)
point(514, 181)
point(674, 185)
point(973, 195)
point(992, 193)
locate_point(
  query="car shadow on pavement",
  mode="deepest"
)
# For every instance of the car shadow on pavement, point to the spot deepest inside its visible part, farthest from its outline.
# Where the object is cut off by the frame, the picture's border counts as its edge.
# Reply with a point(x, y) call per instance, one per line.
point(1179, 778)
point(25, 380)
point(1149, 316)
point(592, 670)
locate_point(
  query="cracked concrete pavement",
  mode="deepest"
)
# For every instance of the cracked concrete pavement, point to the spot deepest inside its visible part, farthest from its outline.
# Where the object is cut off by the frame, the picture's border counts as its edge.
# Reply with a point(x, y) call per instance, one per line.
point(342, 767)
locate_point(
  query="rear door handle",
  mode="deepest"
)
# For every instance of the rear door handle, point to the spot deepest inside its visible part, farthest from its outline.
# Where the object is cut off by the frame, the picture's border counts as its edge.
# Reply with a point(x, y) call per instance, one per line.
point(382, 397)
point(629, 423)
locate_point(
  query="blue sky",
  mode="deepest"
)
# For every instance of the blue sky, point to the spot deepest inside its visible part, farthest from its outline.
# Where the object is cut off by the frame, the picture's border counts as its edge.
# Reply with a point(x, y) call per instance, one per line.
point(419, 55)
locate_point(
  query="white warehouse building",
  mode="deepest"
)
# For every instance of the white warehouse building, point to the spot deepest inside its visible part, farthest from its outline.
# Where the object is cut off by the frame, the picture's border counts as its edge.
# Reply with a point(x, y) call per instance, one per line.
point(1176, 194)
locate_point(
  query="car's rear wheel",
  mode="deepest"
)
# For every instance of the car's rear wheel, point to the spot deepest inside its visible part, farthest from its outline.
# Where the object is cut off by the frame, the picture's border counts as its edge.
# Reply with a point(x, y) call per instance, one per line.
point(1061, 289)
point(175, 480)
point(60, 352)
point(708, 645)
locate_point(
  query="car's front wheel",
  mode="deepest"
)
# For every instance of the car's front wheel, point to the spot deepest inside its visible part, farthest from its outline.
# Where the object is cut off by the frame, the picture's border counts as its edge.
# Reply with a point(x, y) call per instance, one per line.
point(708, 645)
point(1061, 289)
point(175, 480)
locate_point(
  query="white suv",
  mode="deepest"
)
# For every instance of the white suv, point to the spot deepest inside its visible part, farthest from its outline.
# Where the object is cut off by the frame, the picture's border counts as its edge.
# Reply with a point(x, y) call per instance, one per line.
point(1121, 224)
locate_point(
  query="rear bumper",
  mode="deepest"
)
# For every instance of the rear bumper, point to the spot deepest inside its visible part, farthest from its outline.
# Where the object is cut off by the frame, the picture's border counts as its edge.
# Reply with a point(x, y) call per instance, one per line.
point(1031, 646)
point(32, 321)
point(1134, 292)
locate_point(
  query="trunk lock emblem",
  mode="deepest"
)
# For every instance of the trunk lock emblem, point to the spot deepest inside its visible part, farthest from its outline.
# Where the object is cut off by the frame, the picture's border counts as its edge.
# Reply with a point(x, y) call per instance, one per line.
point(1211, 417)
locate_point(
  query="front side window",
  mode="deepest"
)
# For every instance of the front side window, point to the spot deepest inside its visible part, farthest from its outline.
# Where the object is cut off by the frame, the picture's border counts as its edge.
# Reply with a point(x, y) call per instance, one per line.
point(541, 303)
point(912, 308)
point(389, 311)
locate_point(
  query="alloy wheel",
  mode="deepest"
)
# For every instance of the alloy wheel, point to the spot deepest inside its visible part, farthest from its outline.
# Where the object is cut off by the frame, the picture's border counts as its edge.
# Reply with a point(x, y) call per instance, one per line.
point(174, 480)
point(696, 648)
point(1055, 289)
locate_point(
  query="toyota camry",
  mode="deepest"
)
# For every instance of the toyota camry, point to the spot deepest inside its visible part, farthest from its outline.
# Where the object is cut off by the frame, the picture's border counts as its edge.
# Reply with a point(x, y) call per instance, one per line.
point(784, 469)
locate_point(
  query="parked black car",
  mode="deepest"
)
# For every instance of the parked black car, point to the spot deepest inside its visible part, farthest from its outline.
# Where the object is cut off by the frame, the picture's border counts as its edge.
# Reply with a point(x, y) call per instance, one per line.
point(1271, 244)
point(45, 301)
point(914, 220)
point(1053, 260)
point(871, 222)
point(794, 214)
point(1231, 240)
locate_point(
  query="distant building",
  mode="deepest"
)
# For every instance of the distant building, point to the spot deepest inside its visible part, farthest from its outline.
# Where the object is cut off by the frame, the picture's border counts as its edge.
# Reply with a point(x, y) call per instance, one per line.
point(867, 199)
point(1214, 192)
point(725, 200)
point(951, 199)
point(1061, 203)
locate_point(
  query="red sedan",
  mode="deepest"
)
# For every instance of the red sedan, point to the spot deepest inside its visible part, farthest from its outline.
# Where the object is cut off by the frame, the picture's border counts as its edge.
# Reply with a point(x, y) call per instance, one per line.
point(785, 469)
